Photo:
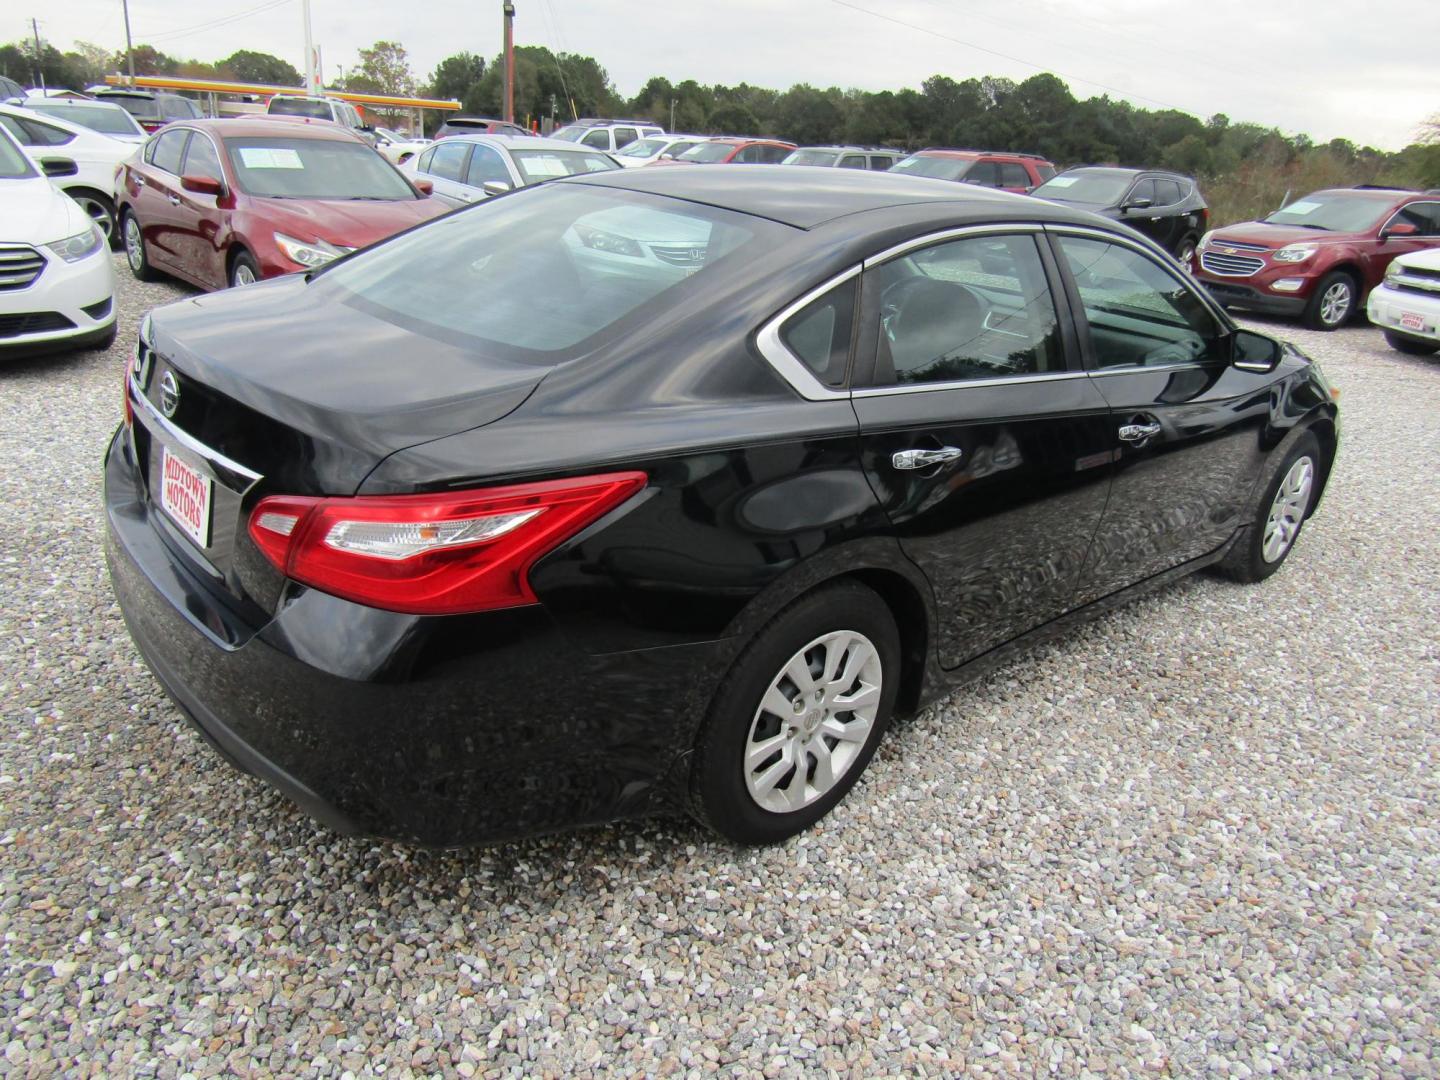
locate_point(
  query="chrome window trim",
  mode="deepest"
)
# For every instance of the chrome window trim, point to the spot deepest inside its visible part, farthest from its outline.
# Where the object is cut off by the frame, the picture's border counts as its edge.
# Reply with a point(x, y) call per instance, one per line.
point(943, 235)
point(967, 384)
point(787, 365)
point(212, 457)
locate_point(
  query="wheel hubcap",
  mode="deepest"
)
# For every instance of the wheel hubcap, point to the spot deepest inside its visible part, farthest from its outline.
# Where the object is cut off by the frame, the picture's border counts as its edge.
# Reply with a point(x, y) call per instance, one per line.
point(1287, 510)
point(1335, 304)
point(134, 245)
point(244, 275)
point(99, 213)
point(813, 721)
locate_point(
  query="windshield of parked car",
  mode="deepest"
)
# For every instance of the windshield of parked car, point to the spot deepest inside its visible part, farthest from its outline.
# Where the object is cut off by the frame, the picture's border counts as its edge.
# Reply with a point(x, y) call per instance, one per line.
point(643, 148)
point(1091, 188)
point(1333, 212)
point(940, 168)
point(95, 117)
point(297, 168)
point(537, 166)
point(541, 276)
point(14, 165)
point(142, 108)
point(811, 157)
point(570, 132)
point(708, 151)
point(316, 110)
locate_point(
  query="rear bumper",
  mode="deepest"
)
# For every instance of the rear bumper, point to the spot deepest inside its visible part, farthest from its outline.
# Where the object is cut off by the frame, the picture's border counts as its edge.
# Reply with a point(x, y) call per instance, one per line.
point(437, 731)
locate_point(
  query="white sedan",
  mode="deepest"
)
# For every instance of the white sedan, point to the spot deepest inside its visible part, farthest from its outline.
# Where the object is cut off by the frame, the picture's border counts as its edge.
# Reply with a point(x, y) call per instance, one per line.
point(467, 168)
point(96, 157)
point(57, 287)
point(647, 150)
point(397, 148)
point(1406, 305)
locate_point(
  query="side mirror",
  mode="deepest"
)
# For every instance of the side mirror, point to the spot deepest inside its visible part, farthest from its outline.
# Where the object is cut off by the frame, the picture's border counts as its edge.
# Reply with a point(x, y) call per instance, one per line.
point(1137, 204)
point(667, 157)
point(425, 187)
point(1254, 352)
point(495, 187)
point(54, 167)
point(202, 185)
point(1400, 228)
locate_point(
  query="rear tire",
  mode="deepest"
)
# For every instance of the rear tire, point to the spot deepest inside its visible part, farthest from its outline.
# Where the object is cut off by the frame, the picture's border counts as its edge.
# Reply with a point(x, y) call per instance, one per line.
point(136, 254)
point(1410, 345)
point(1333, 303)
point(1279, 517)
point(782, 709)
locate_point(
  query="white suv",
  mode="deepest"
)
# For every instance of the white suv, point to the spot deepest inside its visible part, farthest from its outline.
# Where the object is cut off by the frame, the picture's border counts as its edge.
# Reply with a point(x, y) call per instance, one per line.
point(322, 108)
point(607, 135)
point(1406, 305)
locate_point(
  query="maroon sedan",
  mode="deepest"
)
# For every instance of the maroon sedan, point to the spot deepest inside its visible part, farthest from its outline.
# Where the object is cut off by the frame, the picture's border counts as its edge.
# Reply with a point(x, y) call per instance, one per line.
point(228, 202)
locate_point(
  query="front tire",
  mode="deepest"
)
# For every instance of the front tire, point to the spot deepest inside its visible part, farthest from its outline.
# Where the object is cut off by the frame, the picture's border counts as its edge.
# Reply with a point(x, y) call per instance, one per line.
point(1281, 515)
point(1185, 254)
point(798, 717)
point(1332, 303)
point(243, 270)
point(1410, 345)
point(101, 210)
point(136, 254)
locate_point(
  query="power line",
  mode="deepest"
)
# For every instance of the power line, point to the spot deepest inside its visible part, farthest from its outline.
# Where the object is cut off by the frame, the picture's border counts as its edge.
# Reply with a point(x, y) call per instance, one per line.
point(1005, 56)
point(224, 20)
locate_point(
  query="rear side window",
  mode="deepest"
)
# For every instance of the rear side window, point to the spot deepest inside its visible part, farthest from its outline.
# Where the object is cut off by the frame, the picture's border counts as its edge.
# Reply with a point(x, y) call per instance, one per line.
point(1425, 216)
point(29, 132)
point(880, 162)
point(486, 164)
point(624, 136)
point(1167, 192)
point(449, 161)
point(852, 161)
point(819, 333)
point(1045, 171)
point(598, 138)
point(983, 173)
point(975, 308)
point(169, 150)
point(1014, 176)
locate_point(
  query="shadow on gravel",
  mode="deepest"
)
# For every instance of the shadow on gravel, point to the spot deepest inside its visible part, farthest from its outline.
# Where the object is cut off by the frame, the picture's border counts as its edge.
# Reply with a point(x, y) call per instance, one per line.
point(44, 365)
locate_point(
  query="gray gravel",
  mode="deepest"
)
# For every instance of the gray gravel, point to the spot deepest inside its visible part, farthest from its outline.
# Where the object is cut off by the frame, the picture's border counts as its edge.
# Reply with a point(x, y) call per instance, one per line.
point(1198, 836)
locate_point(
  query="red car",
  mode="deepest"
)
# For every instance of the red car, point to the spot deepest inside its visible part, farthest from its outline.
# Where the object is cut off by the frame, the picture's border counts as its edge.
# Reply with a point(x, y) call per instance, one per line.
point(1320, 256)
point(732, 152)
point(228, 202)
point(1020, 173)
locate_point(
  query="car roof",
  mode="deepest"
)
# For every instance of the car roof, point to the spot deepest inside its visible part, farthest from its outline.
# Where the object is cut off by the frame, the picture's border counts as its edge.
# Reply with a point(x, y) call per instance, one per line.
point(776, 193)
point(853, 149)
point(476, 120)
point(70, 103)
point(523, 142)
point(1385, 195)
point(1125, 170)
point(247, 127)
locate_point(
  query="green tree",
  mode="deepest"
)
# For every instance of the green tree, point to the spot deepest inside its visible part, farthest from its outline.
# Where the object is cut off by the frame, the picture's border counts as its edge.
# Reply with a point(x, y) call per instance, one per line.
point(384, 68)
point(732, 118)
point(455, 75)
point(246, 65)
point(148, 61)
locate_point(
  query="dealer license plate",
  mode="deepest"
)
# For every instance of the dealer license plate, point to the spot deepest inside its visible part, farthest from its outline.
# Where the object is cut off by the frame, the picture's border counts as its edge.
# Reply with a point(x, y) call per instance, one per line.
point(1410, 321)
point(185, 495)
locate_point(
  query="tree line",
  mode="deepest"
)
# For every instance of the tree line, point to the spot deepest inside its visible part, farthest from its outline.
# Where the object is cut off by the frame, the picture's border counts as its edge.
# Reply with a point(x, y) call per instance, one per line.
point(1245, 168)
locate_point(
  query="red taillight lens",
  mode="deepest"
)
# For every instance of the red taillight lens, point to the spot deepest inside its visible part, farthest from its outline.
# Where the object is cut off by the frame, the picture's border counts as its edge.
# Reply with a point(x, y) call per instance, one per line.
point(434, 554)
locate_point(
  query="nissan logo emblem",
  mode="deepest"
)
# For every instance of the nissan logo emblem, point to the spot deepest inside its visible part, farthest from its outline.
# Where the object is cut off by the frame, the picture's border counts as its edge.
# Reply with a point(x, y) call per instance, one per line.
point(169, 394)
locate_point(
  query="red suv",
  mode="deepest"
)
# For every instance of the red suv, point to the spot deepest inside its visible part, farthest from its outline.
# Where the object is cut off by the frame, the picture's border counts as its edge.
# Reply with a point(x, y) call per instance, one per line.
point(228, 202)
point(1020, 173)
point(730, 151)
point(1320, 256)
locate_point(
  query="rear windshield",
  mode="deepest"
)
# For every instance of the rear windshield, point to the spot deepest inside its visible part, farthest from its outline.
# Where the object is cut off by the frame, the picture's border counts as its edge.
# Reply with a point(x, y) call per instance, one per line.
point(940, 168)
point(644, 148)
point(537, 166)
point(811, 157)
point(94, 117)
point(1095, 189)
point(545, 275)
point(281, 168)
point(1333, 212)
point(316, 110)
point(142, 108)
point(708, 151)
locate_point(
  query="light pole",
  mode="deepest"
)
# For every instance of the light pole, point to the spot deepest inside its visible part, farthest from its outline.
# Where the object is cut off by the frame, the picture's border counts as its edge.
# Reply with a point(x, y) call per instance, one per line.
point(129, 49)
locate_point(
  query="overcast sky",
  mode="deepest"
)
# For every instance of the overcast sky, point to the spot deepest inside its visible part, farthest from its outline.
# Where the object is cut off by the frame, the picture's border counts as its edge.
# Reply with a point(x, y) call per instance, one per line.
point(1362, 71)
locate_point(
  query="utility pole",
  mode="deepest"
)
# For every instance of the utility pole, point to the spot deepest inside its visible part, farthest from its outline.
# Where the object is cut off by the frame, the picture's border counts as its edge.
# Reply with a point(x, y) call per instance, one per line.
point(312, 73)
point(129, 49)
point(39, 69)
point(509, 114)
point(672, 114)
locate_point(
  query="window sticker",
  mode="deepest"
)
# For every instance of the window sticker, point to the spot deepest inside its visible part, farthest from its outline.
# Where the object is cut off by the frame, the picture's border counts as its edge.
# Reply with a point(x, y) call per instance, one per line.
point(1062, 181)
point(260, 157)
point(545, 166)
point(1301, 208)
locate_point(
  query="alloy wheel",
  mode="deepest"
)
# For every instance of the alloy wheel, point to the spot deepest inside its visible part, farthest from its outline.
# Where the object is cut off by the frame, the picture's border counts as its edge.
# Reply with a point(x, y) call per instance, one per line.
point(134, 244)
point(813, 722)
point(99, 214)
point(1287, 510)
point(1336, 303)
point(243, 275)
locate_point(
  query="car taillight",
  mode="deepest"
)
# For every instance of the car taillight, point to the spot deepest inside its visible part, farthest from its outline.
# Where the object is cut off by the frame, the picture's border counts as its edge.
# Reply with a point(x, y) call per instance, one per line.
point(435, 554)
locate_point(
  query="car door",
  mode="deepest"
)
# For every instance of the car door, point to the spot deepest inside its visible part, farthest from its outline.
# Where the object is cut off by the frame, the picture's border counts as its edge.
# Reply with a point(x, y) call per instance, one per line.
point(986, 443)
point(1167, 216)
point(852, 161)
point(445, 166)
point(1142, 218)
point(201, 218)
point(158, 203)
point(880, 162)
point(598, 139)
point(1186, 425)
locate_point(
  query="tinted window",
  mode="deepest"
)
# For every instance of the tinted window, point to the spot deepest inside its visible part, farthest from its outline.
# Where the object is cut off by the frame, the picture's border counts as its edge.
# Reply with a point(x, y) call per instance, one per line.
point(1425, 216)
point(537, 166)
point(486, 164)
point(178, 108)
point(1143, 190)
point(625, 136)
point(853, 161)
point(1045, 171)
point(598, 138)
point(1167, 192)
point(1137, 311)
point(170, 150)
point(983, 173)
point(881, 162)
point(538, 279)
point(314, 169)
point(819, 333)
point(316, 110)
point(29, 132)
point(201, 160)
point(773, 155)
point(449, 161)
point(1012, 175)
point(142, 108)
point(974, 308)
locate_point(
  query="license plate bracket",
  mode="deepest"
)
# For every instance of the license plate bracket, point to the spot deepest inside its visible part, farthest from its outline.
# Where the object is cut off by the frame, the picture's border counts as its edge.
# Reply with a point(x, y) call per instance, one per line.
point(186, 496)
point(1410, 321)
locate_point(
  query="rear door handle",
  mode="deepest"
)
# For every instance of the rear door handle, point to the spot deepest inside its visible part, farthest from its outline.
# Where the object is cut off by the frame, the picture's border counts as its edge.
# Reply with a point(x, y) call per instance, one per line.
point(1138, 433)
point(923, 459)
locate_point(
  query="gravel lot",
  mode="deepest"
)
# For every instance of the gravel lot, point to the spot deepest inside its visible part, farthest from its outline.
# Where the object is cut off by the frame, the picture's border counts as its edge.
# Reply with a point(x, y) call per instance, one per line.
point(1199, 836)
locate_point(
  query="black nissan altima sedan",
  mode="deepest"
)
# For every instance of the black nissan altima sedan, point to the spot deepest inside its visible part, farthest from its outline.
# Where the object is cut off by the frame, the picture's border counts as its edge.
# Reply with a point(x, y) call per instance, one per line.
point(667, 489)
